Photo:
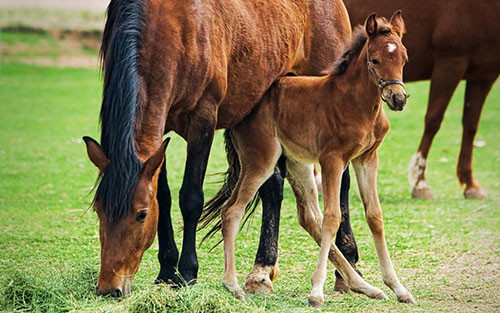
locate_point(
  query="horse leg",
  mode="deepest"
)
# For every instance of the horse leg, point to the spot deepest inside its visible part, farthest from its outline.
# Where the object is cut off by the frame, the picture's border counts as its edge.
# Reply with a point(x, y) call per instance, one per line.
point(310, 218)
point(199, 138)
point(257, 164)
point(446, 75)
point(332, 168)
point(345, 237)
point(366, 175)
point(475, 95)
point(168, 255)
point(265, 269)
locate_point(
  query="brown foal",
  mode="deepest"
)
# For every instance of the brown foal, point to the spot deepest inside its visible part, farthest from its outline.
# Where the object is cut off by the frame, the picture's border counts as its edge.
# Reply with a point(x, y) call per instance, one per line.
point(333, 119)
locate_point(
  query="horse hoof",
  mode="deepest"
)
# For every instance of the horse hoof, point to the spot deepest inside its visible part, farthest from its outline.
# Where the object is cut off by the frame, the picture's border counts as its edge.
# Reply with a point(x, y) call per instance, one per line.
point(260, 279)
point(340, 285)
point(408, 298)
point(423, 193)
point(240, 295)
point(315, 302)
point(256, 284)
point(475, 193)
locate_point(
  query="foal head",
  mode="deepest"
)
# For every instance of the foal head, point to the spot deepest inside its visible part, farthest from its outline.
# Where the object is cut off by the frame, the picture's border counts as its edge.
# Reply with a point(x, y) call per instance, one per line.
point(126, 236)
point(386, 57)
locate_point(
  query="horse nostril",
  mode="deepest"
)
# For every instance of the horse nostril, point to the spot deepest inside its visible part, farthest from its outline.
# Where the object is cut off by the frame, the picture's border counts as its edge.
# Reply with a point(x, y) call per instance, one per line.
point(117, 293)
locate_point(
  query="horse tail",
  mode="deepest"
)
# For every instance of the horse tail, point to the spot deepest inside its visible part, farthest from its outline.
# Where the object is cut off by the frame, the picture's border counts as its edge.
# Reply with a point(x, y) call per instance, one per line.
point(213, 208)
point(120, 54)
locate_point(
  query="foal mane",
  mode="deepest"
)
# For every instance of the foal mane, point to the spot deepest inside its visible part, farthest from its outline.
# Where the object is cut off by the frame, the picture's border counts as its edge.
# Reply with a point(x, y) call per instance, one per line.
point(354, 47)
point(358, 40)
point(119, 59)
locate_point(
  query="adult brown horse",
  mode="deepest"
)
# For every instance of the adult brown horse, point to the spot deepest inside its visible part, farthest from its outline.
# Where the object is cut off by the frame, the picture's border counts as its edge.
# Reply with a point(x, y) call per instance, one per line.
point(447, 41)
point(348, 124)
point(190, 67)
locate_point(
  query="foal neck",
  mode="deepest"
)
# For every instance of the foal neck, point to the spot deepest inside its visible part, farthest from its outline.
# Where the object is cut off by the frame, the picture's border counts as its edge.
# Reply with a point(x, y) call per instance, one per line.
point(359, 86)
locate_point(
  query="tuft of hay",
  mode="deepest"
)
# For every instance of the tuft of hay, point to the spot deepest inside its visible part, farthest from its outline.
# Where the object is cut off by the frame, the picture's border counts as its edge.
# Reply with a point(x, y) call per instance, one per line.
point(45, 290)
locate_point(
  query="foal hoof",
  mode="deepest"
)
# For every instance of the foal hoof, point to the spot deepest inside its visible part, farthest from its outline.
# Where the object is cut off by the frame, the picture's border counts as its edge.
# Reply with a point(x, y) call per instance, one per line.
point(475, 193)
point(315, 302)
point(240, 295)
point(422, 193)
point(340, 285)
point(408, 298)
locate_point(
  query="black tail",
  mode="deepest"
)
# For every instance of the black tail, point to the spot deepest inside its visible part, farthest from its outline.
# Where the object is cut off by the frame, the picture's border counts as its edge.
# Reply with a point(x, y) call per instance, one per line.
point(212, 209)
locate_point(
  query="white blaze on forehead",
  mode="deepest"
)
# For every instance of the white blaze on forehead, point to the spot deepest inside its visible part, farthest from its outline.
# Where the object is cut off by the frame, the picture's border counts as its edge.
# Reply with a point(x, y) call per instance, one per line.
point(391, 47)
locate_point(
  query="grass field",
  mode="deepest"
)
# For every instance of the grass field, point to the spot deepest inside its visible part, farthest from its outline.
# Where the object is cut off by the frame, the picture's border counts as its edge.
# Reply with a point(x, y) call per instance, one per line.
point(446, 251)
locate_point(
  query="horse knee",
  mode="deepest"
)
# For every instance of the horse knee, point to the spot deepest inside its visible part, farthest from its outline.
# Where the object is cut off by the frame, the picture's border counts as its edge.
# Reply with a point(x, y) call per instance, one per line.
point(306, 219)
point(375, 222)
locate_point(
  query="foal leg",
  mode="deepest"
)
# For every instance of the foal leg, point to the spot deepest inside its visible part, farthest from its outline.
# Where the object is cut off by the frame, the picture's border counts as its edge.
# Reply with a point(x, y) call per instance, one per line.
point(168, 255)
point(366, 174)
point(345, 238)
point(475, 95)
point(265, 269)
point(332, 168)
point(257, 164)
point(446, 75)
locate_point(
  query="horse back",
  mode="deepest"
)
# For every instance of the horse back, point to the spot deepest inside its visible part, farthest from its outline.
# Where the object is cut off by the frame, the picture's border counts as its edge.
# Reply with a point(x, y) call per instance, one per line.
point(440, 29)
point(230, 52)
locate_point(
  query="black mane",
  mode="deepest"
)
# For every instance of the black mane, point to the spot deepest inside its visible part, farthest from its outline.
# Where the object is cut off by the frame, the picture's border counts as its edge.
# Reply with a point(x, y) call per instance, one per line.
point(358, 40)
point(119, 58)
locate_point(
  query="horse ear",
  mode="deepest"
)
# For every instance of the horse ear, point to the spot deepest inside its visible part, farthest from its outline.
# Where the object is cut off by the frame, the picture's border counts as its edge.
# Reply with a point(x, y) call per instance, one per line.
point(371, 25)
point(155, 160)
point(96, 155)
point(398, 24)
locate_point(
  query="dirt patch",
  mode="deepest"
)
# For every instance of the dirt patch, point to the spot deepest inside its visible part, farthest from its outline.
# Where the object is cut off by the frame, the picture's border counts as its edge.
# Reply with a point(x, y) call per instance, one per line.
point(467, 276)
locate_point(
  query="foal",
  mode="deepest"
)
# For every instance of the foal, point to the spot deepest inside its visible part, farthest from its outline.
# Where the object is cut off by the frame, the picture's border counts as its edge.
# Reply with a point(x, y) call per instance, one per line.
point(333, 120)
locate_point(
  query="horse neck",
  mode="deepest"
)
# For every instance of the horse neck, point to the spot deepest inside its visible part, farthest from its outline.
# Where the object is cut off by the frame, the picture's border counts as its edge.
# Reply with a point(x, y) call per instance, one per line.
point(359, 87)
point(149, 129)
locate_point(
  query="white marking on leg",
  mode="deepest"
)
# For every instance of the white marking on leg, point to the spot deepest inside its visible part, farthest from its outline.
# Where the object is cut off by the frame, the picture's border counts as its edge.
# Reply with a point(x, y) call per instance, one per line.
point(417, 169)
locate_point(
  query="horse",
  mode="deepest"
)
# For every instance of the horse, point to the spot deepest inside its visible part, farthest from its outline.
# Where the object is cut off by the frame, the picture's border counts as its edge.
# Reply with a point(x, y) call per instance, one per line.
point(333, 119)
point(190, 67)
point(447, 41)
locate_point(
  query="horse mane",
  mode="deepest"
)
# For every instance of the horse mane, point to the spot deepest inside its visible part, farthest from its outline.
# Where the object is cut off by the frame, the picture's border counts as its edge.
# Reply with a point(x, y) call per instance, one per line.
point(354, 47)
point(119, 60)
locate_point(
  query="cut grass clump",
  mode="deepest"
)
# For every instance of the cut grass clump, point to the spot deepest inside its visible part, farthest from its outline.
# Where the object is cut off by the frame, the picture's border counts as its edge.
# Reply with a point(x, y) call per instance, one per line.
point(45, 290)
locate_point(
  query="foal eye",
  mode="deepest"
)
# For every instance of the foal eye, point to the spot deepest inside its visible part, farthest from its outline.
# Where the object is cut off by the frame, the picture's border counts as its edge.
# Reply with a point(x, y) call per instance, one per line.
point(374, 61)
point(141, 216)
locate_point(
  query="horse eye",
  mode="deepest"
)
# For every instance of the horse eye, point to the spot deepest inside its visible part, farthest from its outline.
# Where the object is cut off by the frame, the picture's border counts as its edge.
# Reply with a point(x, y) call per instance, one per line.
point(374, 61)
point(141, 216)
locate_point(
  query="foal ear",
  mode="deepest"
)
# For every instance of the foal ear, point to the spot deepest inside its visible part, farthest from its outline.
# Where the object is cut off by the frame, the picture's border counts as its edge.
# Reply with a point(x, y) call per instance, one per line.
point(371, 25)
point(96, 155)
point(398, 24)
point(155, 160)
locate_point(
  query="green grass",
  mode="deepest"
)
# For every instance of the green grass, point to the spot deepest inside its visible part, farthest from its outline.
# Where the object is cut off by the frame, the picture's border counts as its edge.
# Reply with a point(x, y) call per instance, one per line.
point(446, 251)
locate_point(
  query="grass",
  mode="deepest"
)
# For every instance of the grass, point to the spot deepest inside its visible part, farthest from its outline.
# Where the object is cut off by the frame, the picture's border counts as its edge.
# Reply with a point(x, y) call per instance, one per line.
point(446, 251)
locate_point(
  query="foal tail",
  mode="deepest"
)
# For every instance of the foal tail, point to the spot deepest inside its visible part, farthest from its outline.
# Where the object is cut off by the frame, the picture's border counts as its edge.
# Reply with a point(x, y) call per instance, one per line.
point(213, 208)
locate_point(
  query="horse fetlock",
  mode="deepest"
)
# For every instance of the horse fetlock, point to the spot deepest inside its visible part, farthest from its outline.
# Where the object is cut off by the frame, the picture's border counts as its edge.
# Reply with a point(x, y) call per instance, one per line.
point(370, 291)
point(233, 287)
